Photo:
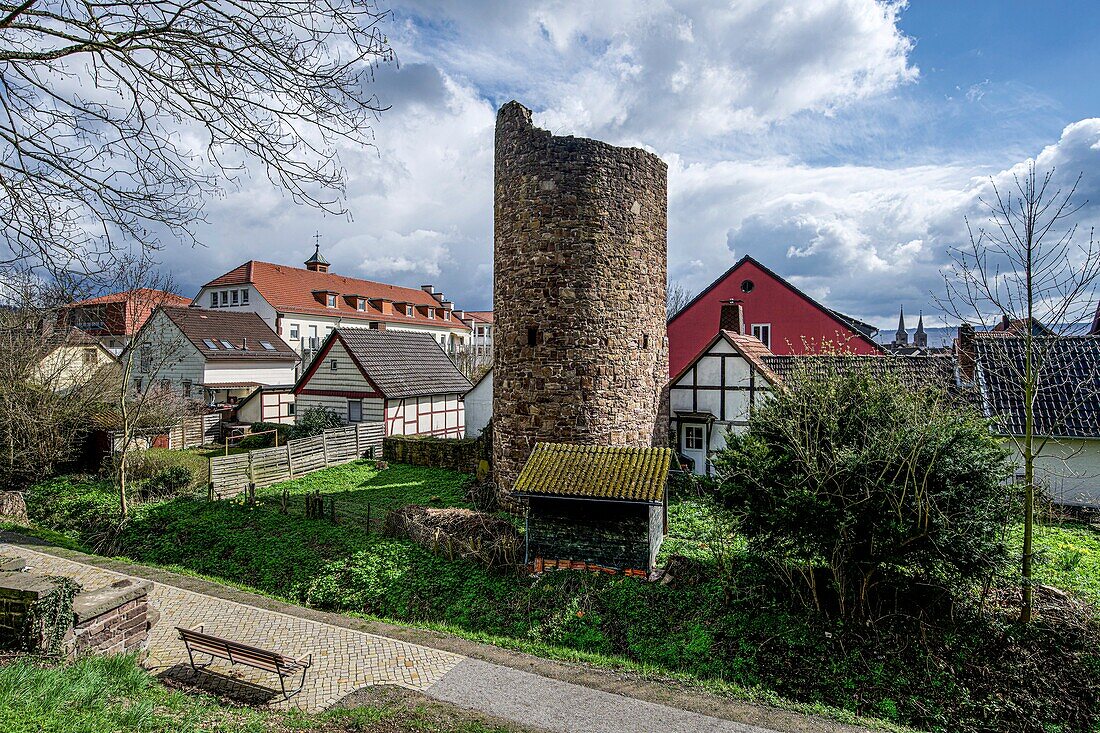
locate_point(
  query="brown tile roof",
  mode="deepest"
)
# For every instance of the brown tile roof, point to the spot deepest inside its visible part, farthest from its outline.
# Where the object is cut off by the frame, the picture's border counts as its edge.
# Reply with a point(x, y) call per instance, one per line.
point(291, 289)
point(913, 371)
point(596, 472)
point(754, 350)
point(246, 333)
point(399, 363)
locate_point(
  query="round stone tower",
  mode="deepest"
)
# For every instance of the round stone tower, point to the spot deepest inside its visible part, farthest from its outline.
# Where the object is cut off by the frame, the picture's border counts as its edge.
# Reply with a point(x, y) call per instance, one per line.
point(580, 347)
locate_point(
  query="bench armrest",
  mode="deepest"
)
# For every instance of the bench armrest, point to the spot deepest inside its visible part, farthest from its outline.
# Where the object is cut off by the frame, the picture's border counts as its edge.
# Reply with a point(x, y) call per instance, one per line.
point(308, 658)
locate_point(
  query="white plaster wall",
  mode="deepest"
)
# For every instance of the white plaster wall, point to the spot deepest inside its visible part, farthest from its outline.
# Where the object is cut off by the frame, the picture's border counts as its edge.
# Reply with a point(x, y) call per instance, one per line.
point(1068, 469)
point(479, 406)
point(261, 372)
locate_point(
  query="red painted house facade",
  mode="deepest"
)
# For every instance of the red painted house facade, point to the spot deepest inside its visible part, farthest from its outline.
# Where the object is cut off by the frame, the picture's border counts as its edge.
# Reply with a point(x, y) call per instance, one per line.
point(784, 318)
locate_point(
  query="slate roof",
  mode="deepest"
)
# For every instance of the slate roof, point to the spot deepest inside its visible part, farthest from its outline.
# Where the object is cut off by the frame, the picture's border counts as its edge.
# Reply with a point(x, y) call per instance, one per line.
point(1068, 403)
point(243, 331)
point(913, 371)
point(402, 363)
point(290, 290)
point(595, 472)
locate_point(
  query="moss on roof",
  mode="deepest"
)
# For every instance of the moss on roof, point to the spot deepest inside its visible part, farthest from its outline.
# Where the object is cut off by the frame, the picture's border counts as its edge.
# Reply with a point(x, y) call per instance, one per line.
point(596, 472)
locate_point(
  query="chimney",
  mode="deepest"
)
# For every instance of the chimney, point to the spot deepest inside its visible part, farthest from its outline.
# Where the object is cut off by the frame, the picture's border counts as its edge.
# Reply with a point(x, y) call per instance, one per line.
point(733, 317)
point(429, 289)
point(965, 352)
point(448, 305)
point(1006, 322)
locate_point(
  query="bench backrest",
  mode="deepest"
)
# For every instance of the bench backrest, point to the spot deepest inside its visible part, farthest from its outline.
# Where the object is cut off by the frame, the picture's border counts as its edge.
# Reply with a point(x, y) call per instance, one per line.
point(253, 656)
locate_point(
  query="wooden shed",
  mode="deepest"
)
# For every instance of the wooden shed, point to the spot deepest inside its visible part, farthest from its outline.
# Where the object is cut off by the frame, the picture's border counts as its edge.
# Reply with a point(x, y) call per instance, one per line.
point(595, 507)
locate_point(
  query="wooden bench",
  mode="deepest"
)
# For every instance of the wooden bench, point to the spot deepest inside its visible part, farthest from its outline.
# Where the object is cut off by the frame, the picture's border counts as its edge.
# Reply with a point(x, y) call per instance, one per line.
point(237, 653)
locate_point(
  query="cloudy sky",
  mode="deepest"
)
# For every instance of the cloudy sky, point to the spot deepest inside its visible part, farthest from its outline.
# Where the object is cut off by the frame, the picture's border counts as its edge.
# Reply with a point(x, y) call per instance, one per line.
point(840, 142)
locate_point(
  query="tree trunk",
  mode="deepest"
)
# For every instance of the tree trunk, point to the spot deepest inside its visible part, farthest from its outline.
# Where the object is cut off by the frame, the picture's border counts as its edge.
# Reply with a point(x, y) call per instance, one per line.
point(122, 467)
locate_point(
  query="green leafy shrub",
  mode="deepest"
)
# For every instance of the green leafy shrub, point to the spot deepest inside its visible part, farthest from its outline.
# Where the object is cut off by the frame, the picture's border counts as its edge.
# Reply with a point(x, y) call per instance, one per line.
point(314, 421)
point(267, 440)
point(856, 480)
point(170, 481)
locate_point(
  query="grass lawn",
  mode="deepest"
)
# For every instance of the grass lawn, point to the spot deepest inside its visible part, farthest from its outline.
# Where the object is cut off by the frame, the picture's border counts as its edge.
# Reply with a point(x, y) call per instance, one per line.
point(109, 694)
point(758, 645)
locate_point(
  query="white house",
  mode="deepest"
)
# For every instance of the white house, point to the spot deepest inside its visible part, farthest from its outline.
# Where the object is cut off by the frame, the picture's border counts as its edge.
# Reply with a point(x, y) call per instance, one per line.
point(1067, 406)
point(216, 356)
point(716, 392)
point(401, 378)
point(303, 306)
point(268, 403)
point(479, 405)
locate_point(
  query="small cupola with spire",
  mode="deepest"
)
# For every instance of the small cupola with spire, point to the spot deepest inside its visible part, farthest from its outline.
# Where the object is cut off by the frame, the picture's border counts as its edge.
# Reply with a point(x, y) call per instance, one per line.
point(920, 338)
point(317, 261)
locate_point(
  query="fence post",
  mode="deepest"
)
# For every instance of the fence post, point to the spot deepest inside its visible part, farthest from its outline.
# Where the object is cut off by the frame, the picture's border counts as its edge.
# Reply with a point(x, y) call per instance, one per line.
point(289, 459)
point(324, 445)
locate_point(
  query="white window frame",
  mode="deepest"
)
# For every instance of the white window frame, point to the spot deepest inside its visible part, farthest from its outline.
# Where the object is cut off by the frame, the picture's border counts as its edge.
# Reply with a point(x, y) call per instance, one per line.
point(409, 311)
point(224, 298)
point(693, 432)
point(758, 328)
point(213, 298)
point(294, 331)
point(360, 304)
point(330, 300)
point(358, 404)
point(244, 297)
point(236, 297)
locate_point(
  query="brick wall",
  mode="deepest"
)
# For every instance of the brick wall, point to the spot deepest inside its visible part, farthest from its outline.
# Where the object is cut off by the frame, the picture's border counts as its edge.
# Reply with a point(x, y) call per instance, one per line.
point(112, 620)
point(580, 354)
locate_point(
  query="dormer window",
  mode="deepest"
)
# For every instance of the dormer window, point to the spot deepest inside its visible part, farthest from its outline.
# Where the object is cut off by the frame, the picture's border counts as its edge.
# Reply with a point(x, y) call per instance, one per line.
point(409, 311)
point(360, 304)
point(236, 297)
point(225, 297)
point(446, 315)
point(214, 299)
point(330, 300)
point(431, 313)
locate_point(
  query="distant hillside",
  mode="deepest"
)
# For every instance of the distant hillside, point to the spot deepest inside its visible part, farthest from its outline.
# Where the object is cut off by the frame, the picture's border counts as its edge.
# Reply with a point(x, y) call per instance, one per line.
point(944, 336)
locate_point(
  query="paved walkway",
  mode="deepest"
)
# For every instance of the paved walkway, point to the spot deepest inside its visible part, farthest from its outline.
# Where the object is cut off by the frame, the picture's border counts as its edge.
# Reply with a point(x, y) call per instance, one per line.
point(343, 660)
point(347, 659)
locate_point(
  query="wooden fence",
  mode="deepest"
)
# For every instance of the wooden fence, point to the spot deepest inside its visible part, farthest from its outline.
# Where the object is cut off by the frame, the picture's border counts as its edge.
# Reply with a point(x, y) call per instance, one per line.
point(233, 475)
point(189, 432)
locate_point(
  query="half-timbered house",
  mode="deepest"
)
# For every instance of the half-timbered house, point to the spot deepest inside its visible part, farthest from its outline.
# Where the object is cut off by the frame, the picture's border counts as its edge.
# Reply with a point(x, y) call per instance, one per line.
point(401, 378)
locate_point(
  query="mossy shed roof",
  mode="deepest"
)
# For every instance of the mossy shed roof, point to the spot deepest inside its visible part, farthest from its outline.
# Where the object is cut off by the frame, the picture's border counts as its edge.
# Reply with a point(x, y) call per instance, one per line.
point(595, 472)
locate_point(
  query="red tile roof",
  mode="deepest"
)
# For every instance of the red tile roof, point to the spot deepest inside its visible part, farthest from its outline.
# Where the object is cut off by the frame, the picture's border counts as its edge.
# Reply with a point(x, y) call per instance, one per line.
point(291, 290)
point(143, 301)
point(482, 316)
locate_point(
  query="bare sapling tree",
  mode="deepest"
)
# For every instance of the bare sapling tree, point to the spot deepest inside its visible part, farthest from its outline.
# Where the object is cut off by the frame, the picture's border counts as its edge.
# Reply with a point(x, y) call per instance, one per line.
point(1026, 277)
point(117, 119)
point(54, 380)
point(146, 399)
point(677, 298)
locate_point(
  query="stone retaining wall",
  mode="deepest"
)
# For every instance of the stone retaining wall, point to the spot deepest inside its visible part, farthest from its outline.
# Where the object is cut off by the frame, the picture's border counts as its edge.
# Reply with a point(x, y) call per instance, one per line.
point(457, 454)
point(112, 620)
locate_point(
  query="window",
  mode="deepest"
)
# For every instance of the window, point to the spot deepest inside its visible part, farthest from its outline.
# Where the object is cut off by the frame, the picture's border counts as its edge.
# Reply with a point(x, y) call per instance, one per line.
point(210, 344)
point(214, 299)
point(747, 286)
point(409, 311)
point(137, 384)
point(225, 344)
point(186, 384)
point(446, 315)
point(330, 300)
point(431, 313)
point(294, 330)
point(693, 437)
point(146, 358)
point(645, 340)
point(355, 410)
point(267, 346)
point(313, 344)
point(244, 297)
point(532, 336)
point(289, 408)
point(763, 331)
point(225, 297)
point(360, 305)
point(236, 297)
point(333, 364)
point(90, 357)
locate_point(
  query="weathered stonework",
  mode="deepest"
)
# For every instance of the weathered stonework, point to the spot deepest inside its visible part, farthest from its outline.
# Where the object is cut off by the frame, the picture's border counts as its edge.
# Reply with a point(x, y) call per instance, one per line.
point(580, 351)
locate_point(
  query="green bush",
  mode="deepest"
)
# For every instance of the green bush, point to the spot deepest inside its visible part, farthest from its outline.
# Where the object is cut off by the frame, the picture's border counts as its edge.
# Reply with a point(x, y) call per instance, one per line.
point(857, 480)
point(171, 481)
point(253, 442)
point(314, 421)
point(156, 462)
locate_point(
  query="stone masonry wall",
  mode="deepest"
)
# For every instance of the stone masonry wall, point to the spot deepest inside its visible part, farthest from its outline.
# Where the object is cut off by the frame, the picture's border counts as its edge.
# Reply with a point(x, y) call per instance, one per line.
point(581, 352)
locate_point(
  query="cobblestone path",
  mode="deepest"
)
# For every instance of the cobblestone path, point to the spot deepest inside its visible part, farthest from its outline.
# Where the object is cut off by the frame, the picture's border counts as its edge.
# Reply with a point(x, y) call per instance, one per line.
point(343, 659)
